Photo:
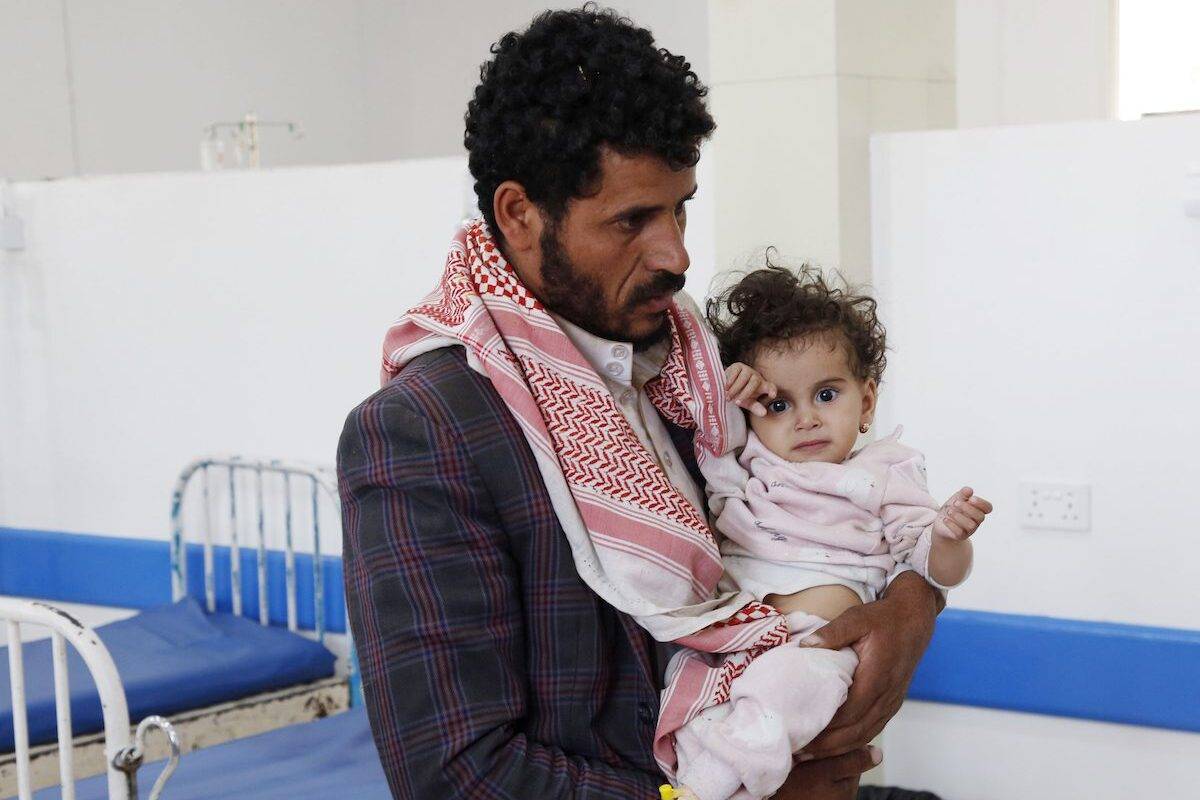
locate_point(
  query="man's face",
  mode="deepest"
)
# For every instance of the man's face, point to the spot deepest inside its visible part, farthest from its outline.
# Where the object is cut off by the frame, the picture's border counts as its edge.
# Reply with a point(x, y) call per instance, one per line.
point(614, 260)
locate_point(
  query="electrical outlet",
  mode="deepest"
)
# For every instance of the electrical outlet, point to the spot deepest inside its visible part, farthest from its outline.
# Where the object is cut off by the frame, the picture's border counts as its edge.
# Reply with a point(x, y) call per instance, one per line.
point(1056, 506)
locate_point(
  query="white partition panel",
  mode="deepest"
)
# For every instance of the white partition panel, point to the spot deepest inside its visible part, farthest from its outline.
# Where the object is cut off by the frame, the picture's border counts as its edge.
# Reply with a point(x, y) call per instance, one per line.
point(155, 317)
point(1041, 289)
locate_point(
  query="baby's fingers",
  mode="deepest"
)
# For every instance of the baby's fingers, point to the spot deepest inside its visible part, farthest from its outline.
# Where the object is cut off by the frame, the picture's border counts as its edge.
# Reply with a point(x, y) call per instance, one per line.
point(747, 398)
point(969, 511)
point(981, 504)
point(749, 390)
point(947, 529)
point(733, 372)
point(965, 523)
point(962, 495)
point(735, 389)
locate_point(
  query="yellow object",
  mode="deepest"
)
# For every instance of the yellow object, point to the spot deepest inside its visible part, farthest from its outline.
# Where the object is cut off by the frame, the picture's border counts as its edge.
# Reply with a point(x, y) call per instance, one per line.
point(668, 792)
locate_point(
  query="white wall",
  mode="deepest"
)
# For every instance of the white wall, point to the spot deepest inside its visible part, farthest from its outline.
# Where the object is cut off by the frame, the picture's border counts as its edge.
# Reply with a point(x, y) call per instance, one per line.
point(156, 318)
point(967, 753)
point(128, 85)
point(1024, 61)
point(35, 108)
point(896, 72)
point(797, 89)
point(1040, 292)
point(421, 61)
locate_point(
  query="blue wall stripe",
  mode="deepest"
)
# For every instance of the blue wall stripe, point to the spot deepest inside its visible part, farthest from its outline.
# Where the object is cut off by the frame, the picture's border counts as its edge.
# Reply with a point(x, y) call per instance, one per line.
point(136, 573)
point(1089, 670)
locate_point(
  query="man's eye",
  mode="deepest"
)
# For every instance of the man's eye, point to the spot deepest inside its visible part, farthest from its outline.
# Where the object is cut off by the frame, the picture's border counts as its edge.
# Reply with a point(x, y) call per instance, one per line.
point(827, 395)
point(631, 224)
point(777, 406)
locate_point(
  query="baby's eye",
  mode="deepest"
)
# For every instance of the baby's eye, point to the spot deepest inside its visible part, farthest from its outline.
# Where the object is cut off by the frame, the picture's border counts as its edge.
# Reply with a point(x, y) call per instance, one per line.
point(777, 406)
point(827, 395)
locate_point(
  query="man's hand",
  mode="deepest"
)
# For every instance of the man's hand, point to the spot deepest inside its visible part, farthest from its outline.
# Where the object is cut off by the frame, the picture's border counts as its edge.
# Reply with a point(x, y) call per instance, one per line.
point(745, 386)
point(889, 636)
point(829, 778)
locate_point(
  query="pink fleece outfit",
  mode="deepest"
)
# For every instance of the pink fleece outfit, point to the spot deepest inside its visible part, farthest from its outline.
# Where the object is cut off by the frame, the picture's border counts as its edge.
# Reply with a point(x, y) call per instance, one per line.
point(742, 749)
point(791, 527)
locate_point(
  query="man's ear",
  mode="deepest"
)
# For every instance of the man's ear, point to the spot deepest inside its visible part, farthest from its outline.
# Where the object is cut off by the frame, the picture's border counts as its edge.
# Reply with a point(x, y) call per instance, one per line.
point(517, 217)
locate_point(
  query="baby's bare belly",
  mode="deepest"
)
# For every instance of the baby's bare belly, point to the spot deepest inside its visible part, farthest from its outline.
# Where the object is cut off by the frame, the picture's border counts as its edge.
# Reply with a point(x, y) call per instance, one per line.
point(823, 601)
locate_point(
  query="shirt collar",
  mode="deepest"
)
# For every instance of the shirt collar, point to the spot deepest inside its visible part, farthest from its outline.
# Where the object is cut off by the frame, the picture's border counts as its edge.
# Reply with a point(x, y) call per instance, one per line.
point(615, 361)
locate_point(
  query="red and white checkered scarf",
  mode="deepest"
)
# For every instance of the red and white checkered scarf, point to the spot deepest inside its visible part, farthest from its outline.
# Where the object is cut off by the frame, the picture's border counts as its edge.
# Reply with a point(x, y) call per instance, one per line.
point(636, 540)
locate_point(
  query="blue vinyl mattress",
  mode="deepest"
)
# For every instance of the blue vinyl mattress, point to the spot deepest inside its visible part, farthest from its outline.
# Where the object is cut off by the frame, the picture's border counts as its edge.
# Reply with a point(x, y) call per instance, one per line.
point(332, 757)
point(172, 658)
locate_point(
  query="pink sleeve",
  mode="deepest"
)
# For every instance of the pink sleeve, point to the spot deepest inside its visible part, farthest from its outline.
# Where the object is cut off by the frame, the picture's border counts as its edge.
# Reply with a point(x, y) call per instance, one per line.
point(908, 511)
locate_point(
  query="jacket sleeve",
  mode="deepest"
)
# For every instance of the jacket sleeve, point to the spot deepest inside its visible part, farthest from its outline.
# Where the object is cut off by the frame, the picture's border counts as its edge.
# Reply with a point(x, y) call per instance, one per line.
point(432, 593)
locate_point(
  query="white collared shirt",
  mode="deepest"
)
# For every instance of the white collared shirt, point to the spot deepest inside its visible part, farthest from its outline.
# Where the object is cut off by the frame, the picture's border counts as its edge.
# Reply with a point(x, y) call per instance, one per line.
point(625, 373)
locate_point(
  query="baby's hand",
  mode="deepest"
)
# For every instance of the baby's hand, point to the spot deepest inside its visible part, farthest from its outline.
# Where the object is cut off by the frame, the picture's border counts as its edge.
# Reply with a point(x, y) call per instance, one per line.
point(961, 516)
point(745, 386)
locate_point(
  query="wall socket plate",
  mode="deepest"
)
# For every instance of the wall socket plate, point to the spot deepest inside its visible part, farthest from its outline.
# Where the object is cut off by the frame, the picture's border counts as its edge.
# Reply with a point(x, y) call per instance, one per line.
point(1056, 506)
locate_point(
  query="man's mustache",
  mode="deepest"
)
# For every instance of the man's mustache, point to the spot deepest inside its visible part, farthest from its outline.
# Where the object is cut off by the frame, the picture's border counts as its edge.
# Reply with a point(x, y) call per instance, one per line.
point(662, 283)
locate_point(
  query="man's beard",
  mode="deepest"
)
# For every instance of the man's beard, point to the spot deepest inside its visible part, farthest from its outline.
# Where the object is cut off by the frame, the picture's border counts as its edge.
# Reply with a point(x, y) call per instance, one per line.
point(579, 298)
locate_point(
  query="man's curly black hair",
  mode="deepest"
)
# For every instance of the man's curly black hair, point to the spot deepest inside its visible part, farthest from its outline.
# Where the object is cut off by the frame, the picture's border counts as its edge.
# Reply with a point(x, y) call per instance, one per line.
point(573, 81)
point(769, 307)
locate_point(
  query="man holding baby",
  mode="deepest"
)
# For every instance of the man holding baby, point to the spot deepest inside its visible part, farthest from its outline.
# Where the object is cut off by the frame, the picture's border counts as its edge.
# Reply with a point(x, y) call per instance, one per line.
point(526, 527)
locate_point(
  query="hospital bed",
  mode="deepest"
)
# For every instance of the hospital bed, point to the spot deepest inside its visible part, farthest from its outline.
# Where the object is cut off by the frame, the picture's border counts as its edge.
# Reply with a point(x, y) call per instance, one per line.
point(330, 757)
point(334, 757)
point(217, 673)
point(123, 750)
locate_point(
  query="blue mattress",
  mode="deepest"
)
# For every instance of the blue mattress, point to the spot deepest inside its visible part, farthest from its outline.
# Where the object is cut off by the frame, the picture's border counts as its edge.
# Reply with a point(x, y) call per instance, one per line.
point(332, 757)
point(172, 658)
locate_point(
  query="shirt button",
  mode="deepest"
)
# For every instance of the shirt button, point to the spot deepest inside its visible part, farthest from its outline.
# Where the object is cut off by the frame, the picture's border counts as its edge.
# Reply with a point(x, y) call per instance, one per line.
point(627, 396)
point(668, 462)
point(620, 351)
point(612, 368)
point(645, 713)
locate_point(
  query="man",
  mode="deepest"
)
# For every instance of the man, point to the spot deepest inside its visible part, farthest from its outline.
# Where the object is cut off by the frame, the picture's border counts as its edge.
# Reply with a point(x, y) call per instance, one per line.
point(491, 667)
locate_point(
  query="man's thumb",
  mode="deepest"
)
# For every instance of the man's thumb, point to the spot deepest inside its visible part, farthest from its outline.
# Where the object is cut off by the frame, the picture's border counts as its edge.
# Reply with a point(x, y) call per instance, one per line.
point(842, 632)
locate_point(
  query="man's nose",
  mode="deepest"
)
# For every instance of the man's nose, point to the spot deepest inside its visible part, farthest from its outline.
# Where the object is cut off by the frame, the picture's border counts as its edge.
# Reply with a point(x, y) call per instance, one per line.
point(668, 253)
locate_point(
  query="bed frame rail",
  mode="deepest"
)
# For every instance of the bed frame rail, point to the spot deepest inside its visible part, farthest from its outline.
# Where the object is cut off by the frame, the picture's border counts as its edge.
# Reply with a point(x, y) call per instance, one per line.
point(298, 482)
point(122, 751)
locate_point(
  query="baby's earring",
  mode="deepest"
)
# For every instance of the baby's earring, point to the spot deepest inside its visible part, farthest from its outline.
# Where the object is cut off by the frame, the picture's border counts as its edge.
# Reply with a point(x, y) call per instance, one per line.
point(866, 426)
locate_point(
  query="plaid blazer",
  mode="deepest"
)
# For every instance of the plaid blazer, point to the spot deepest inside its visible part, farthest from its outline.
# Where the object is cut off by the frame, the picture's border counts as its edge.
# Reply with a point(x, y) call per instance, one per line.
point(490, 670)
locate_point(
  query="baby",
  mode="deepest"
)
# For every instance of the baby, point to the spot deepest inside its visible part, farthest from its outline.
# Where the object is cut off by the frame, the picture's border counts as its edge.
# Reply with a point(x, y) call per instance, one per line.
point(811, 526)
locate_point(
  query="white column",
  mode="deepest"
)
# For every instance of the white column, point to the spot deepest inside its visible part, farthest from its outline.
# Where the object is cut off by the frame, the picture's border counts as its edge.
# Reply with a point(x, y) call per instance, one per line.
point(797, 88)
point(1029, 61)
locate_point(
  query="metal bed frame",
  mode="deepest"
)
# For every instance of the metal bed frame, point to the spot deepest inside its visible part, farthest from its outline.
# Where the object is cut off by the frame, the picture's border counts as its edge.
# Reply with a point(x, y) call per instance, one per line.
point(315, 480)
point(123, 757)
point(307, 482)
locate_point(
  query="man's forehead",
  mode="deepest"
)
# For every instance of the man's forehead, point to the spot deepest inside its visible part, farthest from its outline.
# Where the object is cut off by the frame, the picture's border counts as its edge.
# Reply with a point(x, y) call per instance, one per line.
point(643, 179)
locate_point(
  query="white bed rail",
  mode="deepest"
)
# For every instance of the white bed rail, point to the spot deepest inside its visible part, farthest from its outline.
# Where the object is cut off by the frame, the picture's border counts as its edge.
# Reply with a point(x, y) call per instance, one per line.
point(122, 756)
point(296, 480)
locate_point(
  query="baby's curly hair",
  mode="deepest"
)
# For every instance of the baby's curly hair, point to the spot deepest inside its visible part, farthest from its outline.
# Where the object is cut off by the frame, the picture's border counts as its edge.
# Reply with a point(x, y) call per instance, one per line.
point(575, 80)
point(769, 307)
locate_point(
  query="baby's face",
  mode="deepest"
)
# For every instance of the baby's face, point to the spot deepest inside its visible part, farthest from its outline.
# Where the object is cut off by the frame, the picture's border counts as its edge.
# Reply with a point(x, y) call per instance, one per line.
point(820, 403)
